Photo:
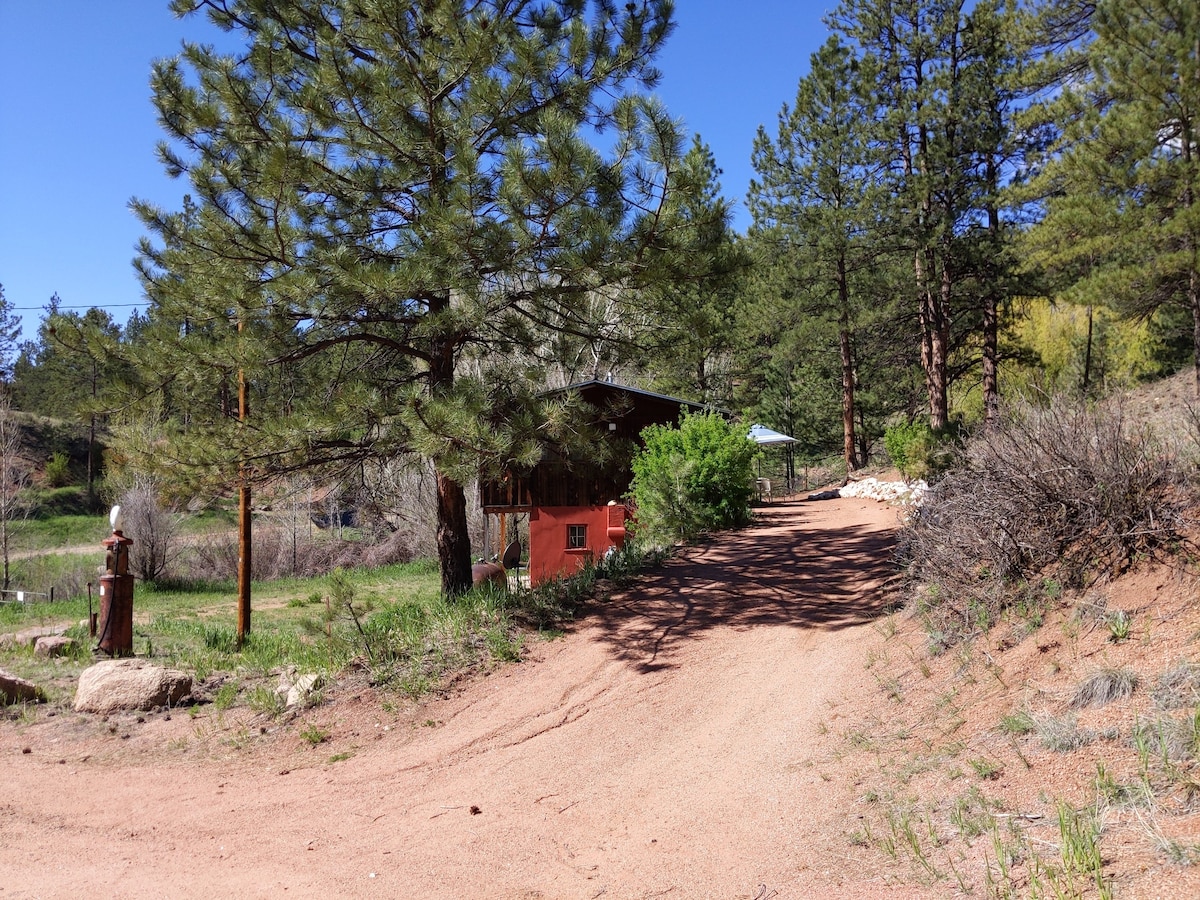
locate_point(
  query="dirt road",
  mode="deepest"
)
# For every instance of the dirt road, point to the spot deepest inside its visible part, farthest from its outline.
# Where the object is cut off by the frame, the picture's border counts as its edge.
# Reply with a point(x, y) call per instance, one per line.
point(669, 745)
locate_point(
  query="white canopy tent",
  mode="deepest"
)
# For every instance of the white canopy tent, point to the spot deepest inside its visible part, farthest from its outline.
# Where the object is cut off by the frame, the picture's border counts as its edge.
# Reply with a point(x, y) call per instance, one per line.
point(767, 437)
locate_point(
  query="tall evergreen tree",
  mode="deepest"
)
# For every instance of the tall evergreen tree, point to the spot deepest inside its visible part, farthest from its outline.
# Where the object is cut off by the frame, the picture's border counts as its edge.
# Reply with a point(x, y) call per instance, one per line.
point(814, 198)
point(692, 313)
point(1123, 219)
point(77, 370)
point(384, 192)
point(10, 334)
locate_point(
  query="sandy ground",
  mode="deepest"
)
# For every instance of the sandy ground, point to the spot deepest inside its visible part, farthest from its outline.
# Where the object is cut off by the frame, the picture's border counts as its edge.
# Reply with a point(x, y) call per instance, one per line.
point(663, 747)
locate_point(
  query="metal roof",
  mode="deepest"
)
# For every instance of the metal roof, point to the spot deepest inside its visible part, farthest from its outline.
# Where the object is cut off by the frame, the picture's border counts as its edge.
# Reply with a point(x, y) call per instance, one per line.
point(764, 436)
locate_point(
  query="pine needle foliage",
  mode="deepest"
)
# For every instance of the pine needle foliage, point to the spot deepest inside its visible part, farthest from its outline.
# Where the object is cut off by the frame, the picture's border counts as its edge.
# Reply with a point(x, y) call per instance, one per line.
point(395, 208)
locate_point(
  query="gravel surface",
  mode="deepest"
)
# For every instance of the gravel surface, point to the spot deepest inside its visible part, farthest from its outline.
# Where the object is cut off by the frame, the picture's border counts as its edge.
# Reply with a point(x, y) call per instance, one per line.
point(663, 747)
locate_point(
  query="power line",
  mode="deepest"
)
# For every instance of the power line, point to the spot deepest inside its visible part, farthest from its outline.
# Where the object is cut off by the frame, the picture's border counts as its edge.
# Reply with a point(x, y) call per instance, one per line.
point(92, 306)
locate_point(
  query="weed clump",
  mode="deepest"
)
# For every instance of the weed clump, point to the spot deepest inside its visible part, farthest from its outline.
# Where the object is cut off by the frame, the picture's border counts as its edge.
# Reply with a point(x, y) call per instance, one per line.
point(1105, 686)
point(1179, 686)
point(1062, 734)
point(1054, 494)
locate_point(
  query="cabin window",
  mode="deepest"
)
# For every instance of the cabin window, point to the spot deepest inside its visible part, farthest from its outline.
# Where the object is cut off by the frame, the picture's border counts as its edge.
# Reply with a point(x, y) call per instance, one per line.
point(576, 537)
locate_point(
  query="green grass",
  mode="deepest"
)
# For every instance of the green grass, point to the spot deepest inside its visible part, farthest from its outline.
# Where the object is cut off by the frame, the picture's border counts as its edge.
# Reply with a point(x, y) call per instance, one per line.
point(218, 519)
point(1019, 722)
point(67, 501)
point(193, 626)
point(59, 531)
point(391, 620)
point(16, 616)
point(314, 734)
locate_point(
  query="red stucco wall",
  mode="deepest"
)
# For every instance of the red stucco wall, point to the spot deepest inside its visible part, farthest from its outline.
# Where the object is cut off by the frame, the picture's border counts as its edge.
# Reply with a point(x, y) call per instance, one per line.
point(549, 555)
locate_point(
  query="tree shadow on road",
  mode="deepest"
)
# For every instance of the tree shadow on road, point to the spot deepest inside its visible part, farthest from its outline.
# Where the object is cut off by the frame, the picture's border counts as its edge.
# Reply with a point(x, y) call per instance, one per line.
point(785, 569)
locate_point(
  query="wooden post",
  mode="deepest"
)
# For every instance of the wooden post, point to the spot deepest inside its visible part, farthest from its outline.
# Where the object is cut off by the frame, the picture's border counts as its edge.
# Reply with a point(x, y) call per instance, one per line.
point(244, 522)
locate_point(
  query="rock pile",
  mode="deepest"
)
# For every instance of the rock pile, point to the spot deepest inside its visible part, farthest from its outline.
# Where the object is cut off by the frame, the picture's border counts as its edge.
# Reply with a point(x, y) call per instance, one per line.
point(887, 491)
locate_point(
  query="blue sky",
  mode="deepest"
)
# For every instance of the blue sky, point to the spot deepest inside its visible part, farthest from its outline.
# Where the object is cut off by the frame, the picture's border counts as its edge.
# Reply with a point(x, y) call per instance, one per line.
point(77, 129)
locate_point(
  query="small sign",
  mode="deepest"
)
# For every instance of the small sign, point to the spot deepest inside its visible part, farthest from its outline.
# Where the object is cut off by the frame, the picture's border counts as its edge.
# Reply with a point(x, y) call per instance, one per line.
point(20, 596)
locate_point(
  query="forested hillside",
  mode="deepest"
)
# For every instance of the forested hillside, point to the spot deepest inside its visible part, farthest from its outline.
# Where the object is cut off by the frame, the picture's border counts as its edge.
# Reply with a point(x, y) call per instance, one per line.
point(399, 223)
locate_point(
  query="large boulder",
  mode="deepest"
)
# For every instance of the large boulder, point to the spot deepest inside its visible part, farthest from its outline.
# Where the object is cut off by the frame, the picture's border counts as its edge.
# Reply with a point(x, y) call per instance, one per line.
point(17, 690)
point(117, 684)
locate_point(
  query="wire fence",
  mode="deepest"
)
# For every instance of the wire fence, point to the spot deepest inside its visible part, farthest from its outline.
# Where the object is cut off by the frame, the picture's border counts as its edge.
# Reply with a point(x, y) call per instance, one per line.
point(17, 595)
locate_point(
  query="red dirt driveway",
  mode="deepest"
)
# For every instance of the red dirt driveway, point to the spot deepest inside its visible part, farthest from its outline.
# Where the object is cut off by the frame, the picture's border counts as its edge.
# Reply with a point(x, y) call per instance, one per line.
point(667, 746)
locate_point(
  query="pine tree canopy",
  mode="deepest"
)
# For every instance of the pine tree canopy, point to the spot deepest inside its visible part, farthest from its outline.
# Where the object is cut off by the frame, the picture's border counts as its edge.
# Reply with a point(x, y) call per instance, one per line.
point(394, 208)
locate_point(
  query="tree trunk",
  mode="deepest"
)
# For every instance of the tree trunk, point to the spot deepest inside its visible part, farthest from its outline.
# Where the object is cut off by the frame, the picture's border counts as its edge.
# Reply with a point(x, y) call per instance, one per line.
point(453, 542)
point(991, 307)
point(849, 447)
point(91, 451)
point(939, 394)
point(1194, 302)
point(1087, 353)
point(934, 339)
point(991, 357)
point(245, 520)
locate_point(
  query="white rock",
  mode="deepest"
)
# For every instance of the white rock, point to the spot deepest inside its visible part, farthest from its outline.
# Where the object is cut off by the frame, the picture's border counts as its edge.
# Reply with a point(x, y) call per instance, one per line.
point(302, 689)
point(294, 689)
point(909, 494)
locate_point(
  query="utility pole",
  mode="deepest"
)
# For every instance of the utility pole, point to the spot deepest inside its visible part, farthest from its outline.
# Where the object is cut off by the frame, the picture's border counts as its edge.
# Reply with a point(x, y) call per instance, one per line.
point(244, 524)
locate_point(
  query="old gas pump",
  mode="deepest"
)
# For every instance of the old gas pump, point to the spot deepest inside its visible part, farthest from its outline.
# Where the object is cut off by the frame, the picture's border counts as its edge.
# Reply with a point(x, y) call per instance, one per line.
point(116, 593)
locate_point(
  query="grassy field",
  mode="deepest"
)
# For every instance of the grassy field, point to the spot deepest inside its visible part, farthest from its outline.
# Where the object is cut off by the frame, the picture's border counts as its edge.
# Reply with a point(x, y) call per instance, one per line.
point(391, 622)
point(58, 531)
point(307, 623)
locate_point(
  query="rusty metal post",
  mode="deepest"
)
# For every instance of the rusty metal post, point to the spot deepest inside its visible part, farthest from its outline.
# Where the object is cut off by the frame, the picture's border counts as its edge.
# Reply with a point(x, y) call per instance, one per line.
point(116, 598)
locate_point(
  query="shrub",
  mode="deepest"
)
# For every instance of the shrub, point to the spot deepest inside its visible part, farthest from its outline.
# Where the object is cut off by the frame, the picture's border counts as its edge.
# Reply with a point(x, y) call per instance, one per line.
point(918, 451)
point(1177, 687)
point(153, 528)
point(1057, 492)
point(58, 470)
point(1105, 686)
point(694, 478)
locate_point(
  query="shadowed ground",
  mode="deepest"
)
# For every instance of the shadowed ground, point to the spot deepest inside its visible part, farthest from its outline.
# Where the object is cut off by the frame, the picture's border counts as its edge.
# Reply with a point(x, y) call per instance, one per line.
point(800, 564)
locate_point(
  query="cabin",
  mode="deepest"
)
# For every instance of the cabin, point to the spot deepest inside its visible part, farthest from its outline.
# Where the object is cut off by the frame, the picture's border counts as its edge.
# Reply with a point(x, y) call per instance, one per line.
point(575, 505)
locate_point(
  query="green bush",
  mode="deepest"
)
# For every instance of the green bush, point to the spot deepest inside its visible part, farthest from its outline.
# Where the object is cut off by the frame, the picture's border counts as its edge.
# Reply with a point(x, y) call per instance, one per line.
point(58, 470)
point(918, 451)
point(694, 478)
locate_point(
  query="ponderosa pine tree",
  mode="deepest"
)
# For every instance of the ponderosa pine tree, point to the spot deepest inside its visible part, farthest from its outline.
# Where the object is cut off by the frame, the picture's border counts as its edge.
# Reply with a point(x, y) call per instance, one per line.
point(691, 316)
point(813, 203)
point(74, 370)
point(911, 45)
point(1123, 218)
point(10, 334)
point(992, 93)
point(385, 192)
point(935, 141)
